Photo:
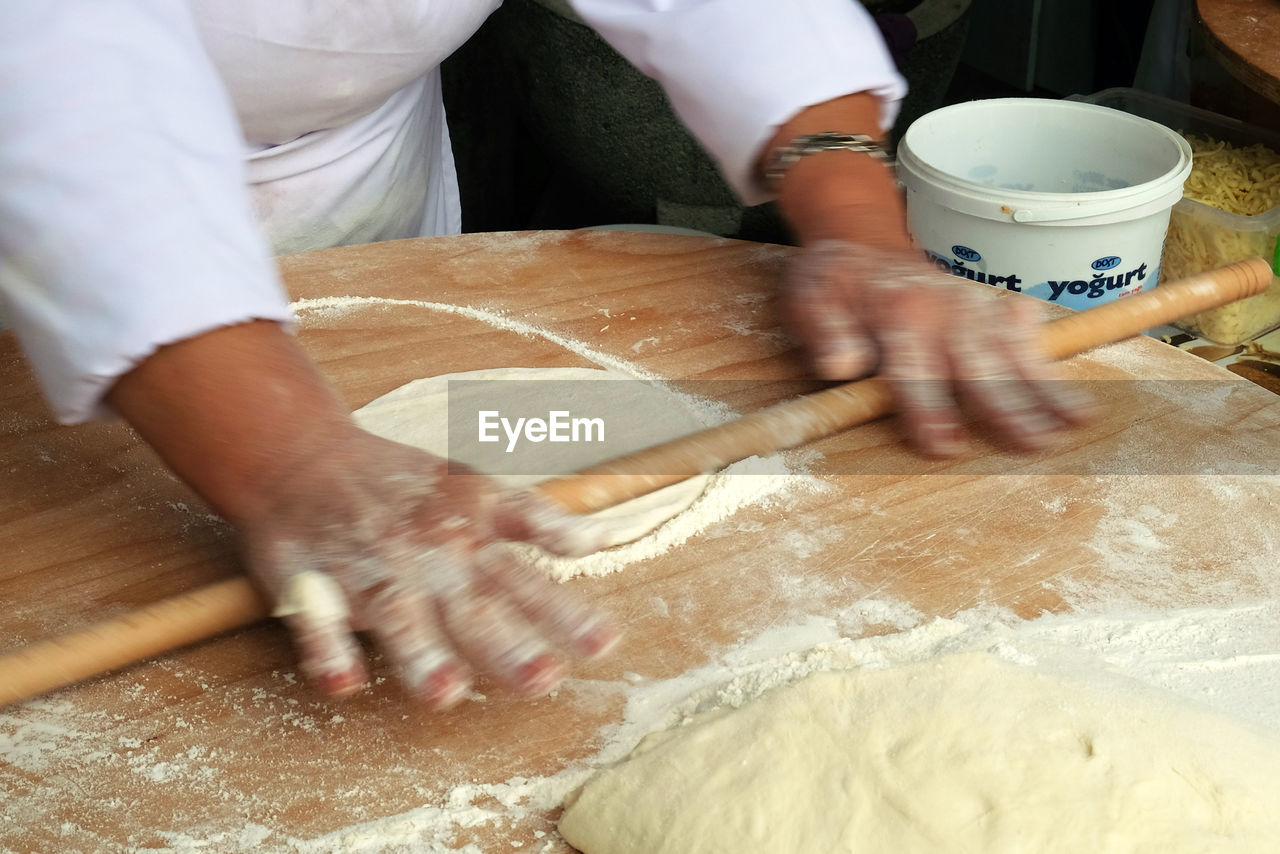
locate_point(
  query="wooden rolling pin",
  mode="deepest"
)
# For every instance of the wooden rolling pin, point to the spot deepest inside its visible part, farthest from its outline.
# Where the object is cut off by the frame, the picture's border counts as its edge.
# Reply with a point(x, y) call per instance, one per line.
point(231, 604)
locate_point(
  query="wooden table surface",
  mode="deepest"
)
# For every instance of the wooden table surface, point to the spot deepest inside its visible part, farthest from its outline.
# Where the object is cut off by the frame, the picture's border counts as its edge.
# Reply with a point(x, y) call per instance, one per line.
point(221, 746)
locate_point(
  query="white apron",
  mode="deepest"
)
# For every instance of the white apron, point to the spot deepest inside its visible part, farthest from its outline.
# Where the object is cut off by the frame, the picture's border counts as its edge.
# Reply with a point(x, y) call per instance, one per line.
point(346, 138)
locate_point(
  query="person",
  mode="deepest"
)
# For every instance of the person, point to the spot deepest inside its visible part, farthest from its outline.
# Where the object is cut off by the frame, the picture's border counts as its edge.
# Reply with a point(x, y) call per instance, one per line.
point(154, 154)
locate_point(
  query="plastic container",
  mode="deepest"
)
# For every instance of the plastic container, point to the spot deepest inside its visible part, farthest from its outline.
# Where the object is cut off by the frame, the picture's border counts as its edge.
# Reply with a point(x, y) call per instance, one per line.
point(1063, 200)
point(1220, 237)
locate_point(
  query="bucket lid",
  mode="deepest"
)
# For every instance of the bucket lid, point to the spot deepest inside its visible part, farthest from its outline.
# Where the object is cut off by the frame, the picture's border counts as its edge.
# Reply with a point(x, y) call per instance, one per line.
point(955, 156)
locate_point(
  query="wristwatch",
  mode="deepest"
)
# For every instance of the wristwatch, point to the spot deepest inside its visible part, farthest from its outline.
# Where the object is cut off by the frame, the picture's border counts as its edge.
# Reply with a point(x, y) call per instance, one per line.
point(785, 156)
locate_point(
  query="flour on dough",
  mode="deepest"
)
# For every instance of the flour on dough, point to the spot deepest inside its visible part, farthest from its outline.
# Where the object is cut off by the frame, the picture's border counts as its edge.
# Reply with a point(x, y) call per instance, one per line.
point(417, 413)
point(963, 753)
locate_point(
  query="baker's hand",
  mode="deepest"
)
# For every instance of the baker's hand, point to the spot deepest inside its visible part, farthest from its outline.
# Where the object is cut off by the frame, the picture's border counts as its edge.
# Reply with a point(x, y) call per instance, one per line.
point(410, 548)
point(859, 309)
point(245, 418)
point(860, 298)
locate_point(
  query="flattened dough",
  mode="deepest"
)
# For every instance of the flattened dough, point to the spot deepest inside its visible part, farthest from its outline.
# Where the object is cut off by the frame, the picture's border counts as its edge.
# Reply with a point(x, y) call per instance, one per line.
point(965, 753)
point(417, 414)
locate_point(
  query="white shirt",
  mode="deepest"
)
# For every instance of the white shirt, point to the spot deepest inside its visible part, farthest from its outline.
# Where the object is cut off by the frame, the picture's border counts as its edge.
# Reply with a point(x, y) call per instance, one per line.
point(130, 130)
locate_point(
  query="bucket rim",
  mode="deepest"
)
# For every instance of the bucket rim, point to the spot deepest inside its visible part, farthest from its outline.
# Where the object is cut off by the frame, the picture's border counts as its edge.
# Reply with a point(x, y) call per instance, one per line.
point(1041, 205)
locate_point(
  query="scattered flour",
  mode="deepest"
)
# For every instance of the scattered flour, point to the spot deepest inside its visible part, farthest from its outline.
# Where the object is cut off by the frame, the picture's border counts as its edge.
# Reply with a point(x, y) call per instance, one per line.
point(1224, 659)
point(750, 482)
point(1210, 544)
point(1223, 655)
point(331, 306)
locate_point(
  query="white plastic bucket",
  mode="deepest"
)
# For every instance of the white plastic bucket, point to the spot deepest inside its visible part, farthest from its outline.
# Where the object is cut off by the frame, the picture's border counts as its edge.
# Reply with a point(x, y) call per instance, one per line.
point(1063, 200)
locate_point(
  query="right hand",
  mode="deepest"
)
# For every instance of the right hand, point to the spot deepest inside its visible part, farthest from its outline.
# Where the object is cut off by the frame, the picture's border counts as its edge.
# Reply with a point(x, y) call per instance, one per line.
point(411, 548)
point(245, 418)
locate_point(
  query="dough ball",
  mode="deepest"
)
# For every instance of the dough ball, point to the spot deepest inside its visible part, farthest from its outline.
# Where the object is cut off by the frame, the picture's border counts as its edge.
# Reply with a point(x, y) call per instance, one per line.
point(965, 753)
point(635, 415)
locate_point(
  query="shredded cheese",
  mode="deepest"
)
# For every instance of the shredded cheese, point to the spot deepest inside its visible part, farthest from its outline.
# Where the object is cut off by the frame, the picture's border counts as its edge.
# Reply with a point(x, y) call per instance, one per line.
point(1240, 180)
point(1236, 180)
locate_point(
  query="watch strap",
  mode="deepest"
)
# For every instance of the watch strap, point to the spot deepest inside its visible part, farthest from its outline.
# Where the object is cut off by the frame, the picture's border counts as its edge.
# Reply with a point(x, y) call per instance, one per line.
point(786, 156)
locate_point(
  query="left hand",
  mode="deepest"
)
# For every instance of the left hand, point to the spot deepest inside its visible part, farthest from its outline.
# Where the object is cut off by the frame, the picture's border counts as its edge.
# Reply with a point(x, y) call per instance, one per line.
point(861, 298)
point(941, 346)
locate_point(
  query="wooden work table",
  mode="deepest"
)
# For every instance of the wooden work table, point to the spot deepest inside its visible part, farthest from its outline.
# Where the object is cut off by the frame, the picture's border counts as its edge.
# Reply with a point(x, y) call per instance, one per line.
point(221, 744)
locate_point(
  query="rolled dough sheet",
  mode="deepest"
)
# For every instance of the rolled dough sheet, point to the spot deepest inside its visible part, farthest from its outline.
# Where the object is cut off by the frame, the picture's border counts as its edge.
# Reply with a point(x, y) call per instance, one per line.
point(963, 753)
point(417, 414)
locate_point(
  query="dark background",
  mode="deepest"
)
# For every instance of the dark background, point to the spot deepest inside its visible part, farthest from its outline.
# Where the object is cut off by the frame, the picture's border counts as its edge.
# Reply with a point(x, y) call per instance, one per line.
point(552, 129)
